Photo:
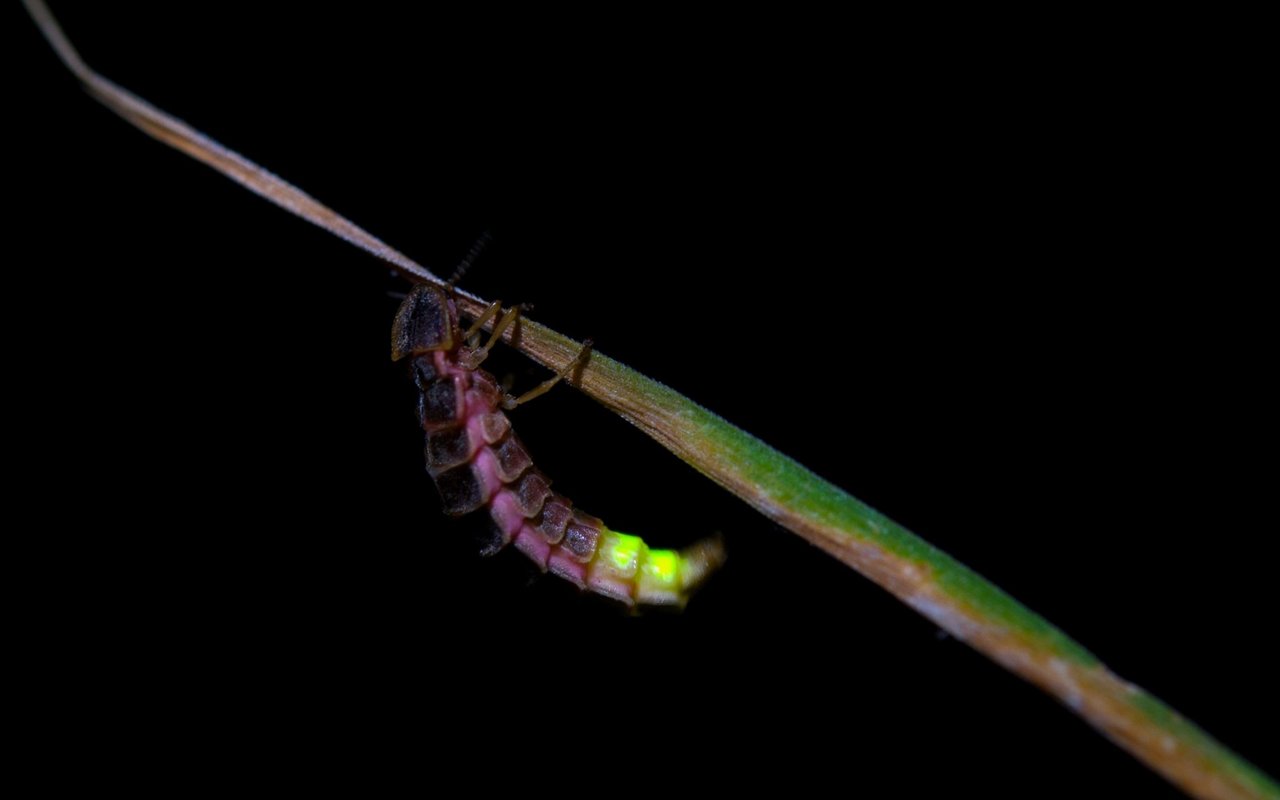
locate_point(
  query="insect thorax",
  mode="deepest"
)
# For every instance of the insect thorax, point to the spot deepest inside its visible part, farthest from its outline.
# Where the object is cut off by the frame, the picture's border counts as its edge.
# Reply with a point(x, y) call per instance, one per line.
point(426, 322)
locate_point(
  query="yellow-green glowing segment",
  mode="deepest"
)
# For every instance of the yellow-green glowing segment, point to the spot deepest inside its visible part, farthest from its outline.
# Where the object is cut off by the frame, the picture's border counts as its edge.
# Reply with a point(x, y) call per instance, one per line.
point(624, 551)
point(660, 582)
point(663, 567)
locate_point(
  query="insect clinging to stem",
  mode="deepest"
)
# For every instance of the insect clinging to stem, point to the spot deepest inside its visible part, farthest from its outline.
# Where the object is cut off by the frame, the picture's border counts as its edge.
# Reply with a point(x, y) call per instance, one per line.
point(477, 461)
point(474, 459)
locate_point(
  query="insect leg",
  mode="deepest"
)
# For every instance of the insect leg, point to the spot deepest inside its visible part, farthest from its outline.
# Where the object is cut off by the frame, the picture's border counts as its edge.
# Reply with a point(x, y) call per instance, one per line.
point(478, 355)
point(474, 330)
point(510, 402)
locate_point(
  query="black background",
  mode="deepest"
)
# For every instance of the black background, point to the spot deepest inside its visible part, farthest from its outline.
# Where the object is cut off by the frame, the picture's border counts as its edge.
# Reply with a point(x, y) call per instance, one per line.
point(999, 299)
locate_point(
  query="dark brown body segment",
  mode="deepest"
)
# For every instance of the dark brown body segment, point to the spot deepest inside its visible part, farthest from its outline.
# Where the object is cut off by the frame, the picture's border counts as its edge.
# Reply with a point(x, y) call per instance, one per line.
point(460, 491)
point(439, 404)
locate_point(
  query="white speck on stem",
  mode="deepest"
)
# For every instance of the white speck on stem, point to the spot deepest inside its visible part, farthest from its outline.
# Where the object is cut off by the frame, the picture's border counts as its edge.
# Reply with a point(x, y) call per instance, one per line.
point(1071, 694)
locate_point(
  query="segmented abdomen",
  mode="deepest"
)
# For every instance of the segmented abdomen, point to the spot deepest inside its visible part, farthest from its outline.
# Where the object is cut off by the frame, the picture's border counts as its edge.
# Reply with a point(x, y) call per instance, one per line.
point(477, 461)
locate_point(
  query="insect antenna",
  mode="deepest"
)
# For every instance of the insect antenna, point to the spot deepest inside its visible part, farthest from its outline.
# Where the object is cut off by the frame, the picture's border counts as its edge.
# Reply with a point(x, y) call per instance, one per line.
point(396, 294)
point(468, 259)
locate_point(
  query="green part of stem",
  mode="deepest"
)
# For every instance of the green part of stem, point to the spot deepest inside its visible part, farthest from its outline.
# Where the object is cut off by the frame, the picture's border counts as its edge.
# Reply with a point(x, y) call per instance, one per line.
point(783, 489)
point(1165, 718)
point(784, 486)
